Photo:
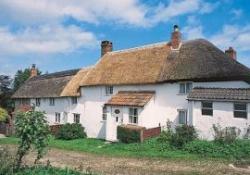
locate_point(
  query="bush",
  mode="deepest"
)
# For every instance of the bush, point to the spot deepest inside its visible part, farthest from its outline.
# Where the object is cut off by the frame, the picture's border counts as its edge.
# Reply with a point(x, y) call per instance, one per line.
point(71, 131)
point(239, 149)
point(226, 135)
point(128, 135)
point(6, 162)
point(178, 138)
point(3, 115)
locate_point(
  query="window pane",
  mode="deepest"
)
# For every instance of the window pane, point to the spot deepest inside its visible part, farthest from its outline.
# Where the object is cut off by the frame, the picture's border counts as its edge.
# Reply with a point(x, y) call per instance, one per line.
point(207, 112)
point(182, 88)
point(240, 114)
point(131, 111)
point(238, 106)
point(188, 87)
point(207, 105)
point(182, 117)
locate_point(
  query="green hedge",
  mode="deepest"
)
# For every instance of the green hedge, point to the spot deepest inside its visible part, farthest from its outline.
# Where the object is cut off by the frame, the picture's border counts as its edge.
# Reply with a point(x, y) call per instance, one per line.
point(128, 135)
point(71, 131)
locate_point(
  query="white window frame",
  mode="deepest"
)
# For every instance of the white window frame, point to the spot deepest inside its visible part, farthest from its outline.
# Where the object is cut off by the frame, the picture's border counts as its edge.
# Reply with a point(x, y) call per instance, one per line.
point(52, 101)
point(186, 91)
point(57, 117)
point(240, 110)
point(186, 116)
point(38, 102)
point(109, 90)
point(207, 108)
point(104, 113)
point(133, 117)
point(75, 115)
point(74, 100)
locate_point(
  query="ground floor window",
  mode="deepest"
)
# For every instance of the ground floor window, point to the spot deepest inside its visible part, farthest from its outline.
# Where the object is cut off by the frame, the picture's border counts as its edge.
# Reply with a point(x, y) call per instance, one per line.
point(57, 117)
point(133, 115)
point(76, 118)
point(104, 113)
point(240, 110)
point(182, 116)
point(207, 108)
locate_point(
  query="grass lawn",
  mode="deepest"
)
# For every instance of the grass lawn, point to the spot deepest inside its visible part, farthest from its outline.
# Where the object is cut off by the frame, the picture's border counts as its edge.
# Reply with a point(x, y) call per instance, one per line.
point(150, 148)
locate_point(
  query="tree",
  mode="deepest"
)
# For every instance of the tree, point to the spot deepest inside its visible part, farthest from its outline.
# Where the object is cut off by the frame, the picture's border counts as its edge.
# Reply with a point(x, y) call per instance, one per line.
point(32, 129)
point(21, 76)
point(3, 115)
point(5, 91)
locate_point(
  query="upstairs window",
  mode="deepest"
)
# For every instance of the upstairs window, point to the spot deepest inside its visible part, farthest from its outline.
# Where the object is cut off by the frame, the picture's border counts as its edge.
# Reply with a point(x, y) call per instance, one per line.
point(57, 117)
point(52, 102)
point(76, 118)
point(240, 110)
point(207, 108)
point(74, 100)
point(38, 101)
point(182, 117)
point(109, 90)
point(104, 113)
point(185, 87)
point(133, 115)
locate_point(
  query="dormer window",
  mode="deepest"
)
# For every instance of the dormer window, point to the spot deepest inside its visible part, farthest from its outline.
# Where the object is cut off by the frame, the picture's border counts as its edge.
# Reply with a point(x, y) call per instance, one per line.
point(109, 90)
point(52, 102)
point(74, 100)
point(185, 87)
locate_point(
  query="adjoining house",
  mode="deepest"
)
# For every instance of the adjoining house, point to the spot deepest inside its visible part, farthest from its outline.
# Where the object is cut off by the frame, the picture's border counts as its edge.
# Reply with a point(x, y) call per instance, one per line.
point(187, 82)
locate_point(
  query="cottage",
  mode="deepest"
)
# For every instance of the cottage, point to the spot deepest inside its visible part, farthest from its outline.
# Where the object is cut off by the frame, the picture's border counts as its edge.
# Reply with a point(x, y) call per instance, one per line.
point(187, 82)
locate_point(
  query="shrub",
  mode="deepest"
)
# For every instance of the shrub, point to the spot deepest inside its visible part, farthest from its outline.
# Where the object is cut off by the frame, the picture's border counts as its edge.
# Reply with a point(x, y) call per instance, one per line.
point(71, 131)
point(32, 129)
point(3, 115)
point(226, 135)
point(239, 149)
point(178, 138)
point(6, 162)
point(128, 135)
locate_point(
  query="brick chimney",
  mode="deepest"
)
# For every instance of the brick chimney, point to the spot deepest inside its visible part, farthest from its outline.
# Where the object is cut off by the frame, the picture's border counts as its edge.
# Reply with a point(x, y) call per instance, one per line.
point(176, 38)
point(33, 71)
point(231, 53)
point(106, 46)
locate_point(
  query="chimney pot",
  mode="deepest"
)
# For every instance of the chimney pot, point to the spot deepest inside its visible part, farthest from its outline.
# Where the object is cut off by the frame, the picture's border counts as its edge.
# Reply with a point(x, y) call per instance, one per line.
point(33, 71)
point(231, 53)
point(106, 46)
point(176, 38)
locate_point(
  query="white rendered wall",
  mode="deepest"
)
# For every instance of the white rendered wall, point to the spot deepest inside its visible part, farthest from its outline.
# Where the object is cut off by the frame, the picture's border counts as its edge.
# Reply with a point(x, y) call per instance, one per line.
point(222, 114)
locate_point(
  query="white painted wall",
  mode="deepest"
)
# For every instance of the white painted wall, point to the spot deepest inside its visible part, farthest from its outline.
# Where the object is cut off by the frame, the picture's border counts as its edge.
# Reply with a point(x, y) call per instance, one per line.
point(222, 115)
point(162, 107)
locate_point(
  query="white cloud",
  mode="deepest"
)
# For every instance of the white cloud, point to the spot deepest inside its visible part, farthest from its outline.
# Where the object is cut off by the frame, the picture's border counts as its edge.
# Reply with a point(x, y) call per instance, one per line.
point(45, 40)
point(132, 12)
point(237, 13)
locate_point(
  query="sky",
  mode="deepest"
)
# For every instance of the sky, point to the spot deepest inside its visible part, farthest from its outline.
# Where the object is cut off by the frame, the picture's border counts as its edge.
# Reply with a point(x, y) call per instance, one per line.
point(59, 35)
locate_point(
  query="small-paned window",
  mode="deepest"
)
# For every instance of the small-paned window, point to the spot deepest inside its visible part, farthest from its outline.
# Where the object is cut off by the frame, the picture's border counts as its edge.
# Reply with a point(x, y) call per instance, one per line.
point(182, 116)
point(240, 110)
point(57, 117)
point(52, 102)
point(133, 115)
point(38, 101)
point(74, 100)
point(104, 113)
point(207, 108)
point(76, 118)
point(185, 87)
point(109, 90)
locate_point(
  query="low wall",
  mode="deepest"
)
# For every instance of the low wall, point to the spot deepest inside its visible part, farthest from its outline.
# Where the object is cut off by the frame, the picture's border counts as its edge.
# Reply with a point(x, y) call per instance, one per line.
point(54, 129)
point(151, 132)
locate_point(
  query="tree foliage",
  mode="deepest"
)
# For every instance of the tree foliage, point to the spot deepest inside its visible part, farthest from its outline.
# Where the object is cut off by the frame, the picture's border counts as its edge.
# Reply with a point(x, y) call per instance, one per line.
point(3, 115)
point(5, 91)
point(21, 76)
point(33, 130)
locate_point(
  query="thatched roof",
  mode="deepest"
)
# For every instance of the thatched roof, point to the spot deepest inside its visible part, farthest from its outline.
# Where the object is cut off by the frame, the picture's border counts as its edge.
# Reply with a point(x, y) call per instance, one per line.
point(220, 94)
point(131, 98)
point(47, 85)
point(197, 60)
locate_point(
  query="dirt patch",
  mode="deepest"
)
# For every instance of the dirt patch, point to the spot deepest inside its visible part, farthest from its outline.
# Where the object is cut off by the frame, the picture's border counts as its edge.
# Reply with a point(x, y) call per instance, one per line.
point(133, 166)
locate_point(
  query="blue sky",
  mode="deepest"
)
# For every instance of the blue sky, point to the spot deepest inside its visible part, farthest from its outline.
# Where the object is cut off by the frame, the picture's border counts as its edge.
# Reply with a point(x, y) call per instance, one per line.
point(60, 34)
